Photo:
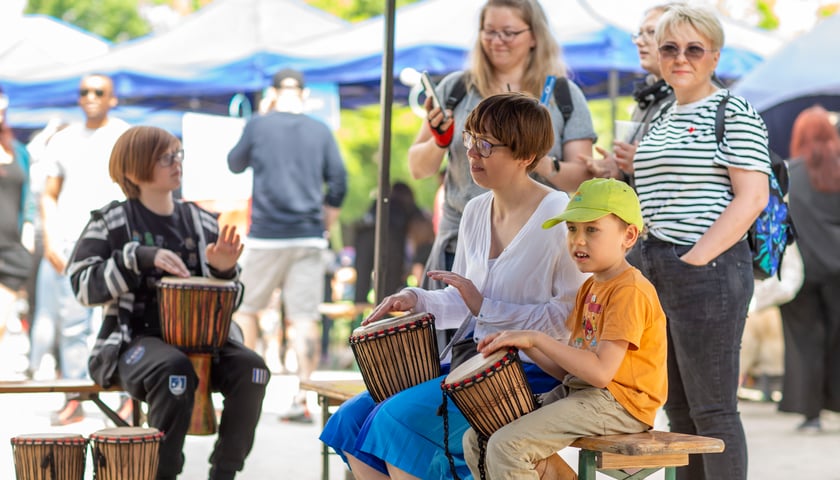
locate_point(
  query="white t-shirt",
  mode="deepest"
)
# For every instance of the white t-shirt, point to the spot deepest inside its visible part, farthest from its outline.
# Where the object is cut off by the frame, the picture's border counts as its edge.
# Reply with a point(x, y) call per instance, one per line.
point(80, 156)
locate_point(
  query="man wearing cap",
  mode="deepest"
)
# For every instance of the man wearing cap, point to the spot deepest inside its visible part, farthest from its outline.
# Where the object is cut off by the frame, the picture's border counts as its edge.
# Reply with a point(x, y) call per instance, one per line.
point(77, 181)
point(613, 367)
point(299, 185)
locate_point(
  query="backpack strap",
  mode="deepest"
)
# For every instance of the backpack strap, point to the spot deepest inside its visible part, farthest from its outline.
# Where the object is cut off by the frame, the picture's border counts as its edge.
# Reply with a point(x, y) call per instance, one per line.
point(563, 98)
point(459, 89)
point(720, 118)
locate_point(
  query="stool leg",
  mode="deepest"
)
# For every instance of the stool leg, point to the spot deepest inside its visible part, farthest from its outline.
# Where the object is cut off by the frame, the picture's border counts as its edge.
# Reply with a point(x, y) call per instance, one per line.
point(586, 465)
point(325, 450)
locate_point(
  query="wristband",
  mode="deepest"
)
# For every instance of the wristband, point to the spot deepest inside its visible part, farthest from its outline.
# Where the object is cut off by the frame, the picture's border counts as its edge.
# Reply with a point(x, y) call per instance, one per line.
point(555, 162)
point(442, 138)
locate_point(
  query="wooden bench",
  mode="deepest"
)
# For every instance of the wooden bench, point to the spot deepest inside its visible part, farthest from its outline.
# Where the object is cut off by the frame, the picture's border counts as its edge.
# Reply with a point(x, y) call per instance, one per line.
point(645, 453)
point(84, 389)
point(640, 454)
point(331, 393)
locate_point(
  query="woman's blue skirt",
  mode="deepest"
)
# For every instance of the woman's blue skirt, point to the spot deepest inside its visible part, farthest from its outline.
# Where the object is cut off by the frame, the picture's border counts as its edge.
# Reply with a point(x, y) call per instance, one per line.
point(406, 431)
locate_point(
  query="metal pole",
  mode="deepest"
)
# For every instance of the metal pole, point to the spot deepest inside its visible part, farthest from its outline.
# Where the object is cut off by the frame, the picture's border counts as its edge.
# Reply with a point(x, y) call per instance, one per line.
point(386, 101)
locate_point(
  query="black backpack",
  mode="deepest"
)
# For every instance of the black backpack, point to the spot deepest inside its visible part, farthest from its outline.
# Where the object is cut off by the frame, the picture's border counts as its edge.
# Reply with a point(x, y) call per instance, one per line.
point(773, 230)
point(562, 96)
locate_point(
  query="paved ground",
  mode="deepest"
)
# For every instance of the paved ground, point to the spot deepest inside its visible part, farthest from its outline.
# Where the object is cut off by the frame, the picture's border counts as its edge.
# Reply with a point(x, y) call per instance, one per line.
point(292, 451)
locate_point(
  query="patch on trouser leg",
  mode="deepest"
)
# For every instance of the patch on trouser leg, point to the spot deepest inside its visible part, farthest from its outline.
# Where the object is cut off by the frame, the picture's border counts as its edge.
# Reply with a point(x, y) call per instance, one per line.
point(177, 384)
point(259, 376)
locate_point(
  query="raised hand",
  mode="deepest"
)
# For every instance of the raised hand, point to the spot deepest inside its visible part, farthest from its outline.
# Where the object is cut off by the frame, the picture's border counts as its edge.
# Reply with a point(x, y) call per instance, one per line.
point(225, 251)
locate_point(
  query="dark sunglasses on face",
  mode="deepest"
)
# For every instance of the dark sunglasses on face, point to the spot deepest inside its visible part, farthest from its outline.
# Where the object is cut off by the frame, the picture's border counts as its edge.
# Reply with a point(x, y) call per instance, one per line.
point(84, 92)
point(691, 52)
point(482, 146)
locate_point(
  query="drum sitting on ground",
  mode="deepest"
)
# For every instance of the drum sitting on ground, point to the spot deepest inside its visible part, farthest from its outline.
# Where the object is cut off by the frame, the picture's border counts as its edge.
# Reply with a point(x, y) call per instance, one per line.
point(195, 315)
point(491, 392)
point(49, 456)
point(125, 453)
point(397, 353)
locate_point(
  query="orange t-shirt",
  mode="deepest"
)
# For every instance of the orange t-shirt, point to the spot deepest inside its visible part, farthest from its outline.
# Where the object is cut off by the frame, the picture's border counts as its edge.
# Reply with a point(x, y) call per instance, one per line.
point(626, 308)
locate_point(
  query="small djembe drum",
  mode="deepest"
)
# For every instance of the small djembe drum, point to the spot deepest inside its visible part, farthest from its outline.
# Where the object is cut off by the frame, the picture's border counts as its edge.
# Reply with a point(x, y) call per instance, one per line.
point(125, 453)
point(195, 315)
point(491, 392)
point(396, 353)
point(49, 456)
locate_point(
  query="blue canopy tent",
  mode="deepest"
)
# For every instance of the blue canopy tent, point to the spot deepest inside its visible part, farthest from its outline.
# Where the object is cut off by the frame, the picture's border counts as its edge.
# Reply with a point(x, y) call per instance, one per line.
point(235, 46)
point(224, 48)
point(799, 75)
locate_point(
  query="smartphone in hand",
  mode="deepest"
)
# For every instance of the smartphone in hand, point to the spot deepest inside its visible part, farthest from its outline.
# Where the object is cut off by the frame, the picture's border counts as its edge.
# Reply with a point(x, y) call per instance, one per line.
point(429, 89)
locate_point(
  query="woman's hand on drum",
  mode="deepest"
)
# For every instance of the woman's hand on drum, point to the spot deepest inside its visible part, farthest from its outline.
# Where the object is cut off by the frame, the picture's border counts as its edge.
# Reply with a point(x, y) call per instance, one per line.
point(521, 339)
point(170, 262)
point(472, 297)
point(398, 302)
point(223, 254)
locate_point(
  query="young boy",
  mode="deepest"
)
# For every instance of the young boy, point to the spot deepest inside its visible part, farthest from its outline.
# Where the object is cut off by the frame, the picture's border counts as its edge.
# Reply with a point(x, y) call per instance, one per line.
point(614, 365)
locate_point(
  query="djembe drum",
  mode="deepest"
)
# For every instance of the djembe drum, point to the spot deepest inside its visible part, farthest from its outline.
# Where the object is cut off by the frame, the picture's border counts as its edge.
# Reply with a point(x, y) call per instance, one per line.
point(125, 453)
point(195, 315)
point(491, 392)
point(396, 353)
point(49, 456)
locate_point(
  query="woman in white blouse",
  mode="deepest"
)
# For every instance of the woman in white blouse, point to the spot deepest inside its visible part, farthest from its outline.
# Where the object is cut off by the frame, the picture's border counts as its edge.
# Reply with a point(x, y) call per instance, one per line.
point(508, 273)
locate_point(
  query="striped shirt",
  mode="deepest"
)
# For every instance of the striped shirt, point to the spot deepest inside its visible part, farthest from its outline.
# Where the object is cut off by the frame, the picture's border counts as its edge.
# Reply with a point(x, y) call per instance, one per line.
point(682, 176)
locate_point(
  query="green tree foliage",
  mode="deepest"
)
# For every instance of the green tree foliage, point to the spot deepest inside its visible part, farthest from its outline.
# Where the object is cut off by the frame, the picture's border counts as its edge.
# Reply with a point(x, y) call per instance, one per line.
point(358, 140)
point(116, 20)
point(768, 19)
point(355, 10)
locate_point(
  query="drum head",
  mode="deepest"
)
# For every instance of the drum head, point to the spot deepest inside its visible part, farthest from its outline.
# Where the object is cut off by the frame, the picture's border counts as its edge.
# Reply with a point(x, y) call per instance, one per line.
point(196, 282)
point(475, 365)
point(389, 322)
point(42, 438)
point(125, 434)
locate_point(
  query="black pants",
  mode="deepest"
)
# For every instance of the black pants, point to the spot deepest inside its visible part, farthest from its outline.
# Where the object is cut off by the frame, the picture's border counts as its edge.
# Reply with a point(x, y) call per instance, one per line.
point(162, 376)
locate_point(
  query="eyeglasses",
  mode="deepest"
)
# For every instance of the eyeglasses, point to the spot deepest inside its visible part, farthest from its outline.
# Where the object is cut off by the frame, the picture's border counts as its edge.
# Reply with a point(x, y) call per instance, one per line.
point(643, 34)
point(691, 52)
point(167, 159)
point(84, 92)
point(482, 146)
point(503, 35)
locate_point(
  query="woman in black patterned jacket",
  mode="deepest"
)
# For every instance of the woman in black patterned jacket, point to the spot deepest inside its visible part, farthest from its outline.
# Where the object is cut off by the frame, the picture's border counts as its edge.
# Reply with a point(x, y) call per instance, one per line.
point(122, 254)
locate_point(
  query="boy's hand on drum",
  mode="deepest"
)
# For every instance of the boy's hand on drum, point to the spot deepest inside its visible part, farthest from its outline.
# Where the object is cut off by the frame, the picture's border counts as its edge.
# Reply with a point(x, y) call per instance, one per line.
point(521, 339)
point(223, 254)
point(170, 262)
point(472, 297)
point(398, 302)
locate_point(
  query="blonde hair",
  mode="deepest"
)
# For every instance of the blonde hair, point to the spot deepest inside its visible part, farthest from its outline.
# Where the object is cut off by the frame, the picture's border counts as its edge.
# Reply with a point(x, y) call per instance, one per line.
point(700, 17)
point(544, 58)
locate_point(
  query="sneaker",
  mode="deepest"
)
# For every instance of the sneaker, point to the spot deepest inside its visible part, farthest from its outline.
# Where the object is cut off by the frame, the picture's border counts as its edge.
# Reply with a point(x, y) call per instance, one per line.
point(72, 412)
point(297, 413)
point(810, 426)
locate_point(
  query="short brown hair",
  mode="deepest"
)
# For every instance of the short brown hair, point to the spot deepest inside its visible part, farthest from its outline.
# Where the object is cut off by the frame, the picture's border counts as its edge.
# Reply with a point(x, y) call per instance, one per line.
point(135, 155)
point(518, 121)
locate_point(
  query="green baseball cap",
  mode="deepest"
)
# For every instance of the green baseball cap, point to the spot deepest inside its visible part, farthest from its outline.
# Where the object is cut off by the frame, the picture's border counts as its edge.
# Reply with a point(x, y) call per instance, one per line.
point(598, 197)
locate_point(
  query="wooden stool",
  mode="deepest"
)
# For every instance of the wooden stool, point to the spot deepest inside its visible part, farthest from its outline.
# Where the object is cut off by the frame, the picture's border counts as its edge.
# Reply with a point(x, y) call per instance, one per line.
point(645, 453)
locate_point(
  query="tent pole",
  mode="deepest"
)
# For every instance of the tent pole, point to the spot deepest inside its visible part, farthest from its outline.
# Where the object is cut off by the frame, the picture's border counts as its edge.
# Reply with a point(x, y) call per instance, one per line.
point(612, 89)
point(383, 191)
